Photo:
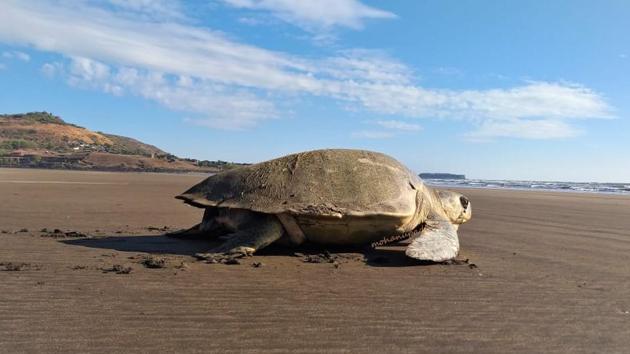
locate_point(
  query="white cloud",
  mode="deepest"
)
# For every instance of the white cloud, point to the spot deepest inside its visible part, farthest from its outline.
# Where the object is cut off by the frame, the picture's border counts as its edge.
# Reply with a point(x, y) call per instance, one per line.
point(533, 100)
point(536, 99)
point(399, 125)
point(228, 84)
point(87, 70)
point(320, 14)
point(14, 54)
point(230, 108)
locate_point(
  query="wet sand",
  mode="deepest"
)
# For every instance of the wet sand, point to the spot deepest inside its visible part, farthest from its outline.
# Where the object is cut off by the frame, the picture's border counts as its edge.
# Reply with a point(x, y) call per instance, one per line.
point(546, 272)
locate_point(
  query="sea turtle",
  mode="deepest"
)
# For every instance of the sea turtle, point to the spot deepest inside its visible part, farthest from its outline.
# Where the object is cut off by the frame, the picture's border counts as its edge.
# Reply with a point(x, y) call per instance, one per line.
point(334, 196)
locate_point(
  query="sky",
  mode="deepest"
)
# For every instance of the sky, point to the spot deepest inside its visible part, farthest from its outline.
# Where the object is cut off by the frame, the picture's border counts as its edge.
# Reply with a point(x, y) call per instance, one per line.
point(523, 90)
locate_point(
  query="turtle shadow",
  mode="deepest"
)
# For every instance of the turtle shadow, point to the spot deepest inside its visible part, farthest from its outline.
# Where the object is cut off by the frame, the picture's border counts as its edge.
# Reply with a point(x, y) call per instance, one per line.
point(393, 258)
point(380, 257)
point(162, 244)
point(154, 244)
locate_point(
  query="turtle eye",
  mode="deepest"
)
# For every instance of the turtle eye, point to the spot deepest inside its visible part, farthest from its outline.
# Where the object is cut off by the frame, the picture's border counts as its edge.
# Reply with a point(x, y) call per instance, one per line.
point(464, 201)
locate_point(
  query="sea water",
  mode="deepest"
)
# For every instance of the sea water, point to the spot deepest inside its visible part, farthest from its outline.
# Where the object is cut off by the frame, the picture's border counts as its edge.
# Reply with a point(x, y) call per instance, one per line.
point(584, 187)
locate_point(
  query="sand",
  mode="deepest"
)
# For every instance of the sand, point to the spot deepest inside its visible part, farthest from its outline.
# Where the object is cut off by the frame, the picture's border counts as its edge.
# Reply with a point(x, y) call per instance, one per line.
point(546, 272)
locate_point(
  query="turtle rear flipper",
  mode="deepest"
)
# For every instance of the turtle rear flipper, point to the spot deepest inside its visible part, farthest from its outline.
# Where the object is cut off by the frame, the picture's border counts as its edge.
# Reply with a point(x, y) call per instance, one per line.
point(198, 232)
point(260, 232)
point(194, 231)
point(208, 228)
point(438, 242)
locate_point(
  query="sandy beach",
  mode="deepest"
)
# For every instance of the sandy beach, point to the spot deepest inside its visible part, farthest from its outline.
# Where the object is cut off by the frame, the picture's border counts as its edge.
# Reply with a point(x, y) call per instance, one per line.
point(546, 272)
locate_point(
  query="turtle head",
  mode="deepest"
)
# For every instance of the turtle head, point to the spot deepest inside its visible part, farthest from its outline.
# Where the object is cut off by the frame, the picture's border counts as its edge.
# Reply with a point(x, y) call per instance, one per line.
point(455, 205)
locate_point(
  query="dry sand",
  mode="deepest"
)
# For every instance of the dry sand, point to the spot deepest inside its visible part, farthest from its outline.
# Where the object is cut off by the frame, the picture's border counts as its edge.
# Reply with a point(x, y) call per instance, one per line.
point(547, 272)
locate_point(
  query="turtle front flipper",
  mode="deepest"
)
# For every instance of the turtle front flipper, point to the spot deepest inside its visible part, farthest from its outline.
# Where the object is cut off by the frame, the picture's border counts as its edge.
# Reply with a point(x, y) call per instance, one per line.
point(259, 233)
point(438, 242)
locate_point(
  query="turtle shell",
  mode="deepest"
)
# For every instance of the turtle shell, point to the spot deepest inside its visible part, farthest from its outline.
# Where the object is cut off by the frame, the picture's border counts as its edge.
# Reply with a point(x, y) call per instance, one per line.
point(323, 183)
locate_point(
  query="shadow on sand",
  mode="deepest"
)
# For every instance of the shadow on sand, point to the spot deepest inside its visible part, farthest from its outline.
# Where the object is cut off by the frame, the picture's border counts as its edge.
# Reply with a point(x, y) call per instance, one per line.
point(392, 256)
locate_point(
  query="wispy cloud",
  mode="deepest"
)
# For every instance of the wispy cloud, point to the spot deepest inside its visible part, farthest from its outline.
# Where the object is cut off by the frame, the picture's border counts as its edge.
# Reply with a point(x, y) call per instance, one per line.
point(253, 21)
point(524, 129)
point(361, 65)
point(50, 70)
point(14, 54)
point(156, 9)
point(448, 71)
point(387, 129)
point(316, 15)
point(220, 82)
point(399, 125)
point(372, 134)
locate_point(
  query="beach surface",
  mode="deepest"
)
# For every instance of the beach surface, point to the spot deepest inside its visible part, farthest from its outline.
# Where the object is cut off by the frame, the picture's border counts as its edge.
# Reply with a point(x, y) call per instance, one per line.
point(545, 272)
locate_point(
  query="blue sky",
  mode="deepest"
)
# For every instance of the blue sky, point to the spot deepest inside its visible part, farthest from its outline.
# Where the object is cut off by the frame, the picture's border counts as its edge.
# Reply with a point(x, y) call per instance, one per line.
point(493, 89)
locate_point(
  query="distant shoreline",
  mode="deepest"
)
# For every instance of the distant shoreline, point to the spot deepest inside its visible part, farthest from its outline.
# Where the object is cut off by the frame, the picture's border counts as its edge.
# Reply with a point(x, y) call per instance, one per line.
point(105, 170)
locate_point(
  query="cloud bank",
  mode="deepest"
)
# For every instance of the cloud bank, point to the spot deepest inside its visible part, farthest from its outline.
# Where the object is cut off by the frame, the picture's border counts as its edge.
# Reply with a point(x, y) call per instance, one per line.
point(149, 50)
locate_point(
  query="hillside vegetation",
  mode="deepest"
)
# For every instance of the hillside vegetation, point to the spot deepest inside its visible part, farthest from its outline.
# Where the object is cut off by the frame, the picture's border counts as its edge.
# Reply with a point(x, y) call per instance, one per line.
point(41, 139)
point(44, 131)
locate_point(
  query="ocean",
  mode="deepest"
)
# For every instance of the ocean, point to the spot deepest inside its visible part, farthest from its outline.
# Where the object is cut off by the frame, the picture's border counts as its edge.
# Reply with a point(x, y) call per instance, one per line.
point(579, 187)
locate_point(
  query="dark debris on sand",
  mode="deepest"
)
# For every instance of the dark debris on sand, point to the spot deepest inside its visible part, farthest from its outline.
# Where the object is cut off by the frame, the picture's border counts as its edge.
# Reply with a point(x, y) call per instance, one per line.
point(57, 233)
point(153, 262)
point(118, 269)
point(156, 228)
point(17, 267)
point(220, 258)
point(182, 266)
point(460, 262)
point(327, 257)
